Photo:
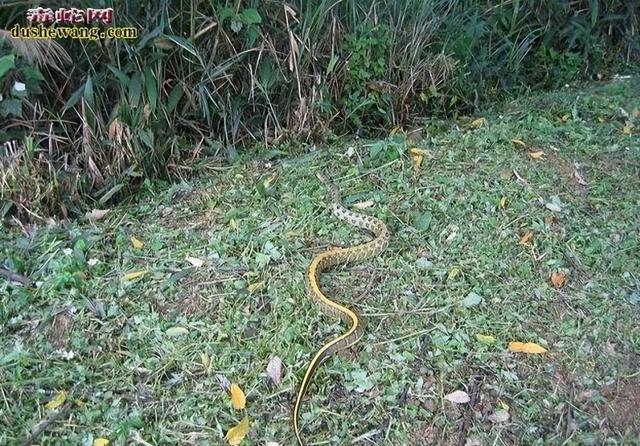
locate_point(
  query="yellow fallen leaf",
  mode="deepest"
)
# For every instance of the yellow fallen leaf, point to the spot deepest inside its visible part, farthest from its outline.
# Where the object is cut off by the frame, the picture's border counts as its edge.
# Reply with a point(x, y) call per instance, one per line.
point(233, 224)
point(205, 359)
point(627, 129)
point(503, 203)
point(256, 286)
point(486, 339)
point(453, 273)
point(558, 279)
point(100, 442)
point(519, 142)
point(57, 401)
point(134, 275)
point(529, 348)
point(477, 123)
point(536, 155)
point(565, 117)
point(416, 151)
point(417, 161)
point(526, 238)
point(237, 433)
point(238, 399)
point(136, 243)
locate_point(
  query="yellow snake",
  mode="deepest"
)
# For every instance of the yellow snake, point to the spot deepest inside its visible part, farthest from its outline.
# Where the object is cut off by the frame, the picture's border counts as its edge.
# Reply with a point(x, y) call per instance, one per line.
point(325, 260)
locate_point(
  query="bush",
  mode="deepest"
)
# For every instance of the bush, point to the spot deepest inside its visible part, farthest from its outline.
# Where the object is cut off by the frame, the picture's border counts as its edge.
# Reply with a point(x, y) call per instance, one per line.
point(201, 82)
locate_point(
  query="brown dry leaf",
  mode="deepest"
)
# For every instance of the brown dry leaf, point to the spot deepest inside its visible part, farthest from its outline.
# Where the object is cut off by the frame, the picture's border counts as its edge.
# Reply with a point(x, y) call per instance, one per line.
point(256, 286)
point(274, 370)
point(363, 204)
point(526, 238)
point(558, 279)
point(237, 433)
point(477, 123)
point(551, 220)
point(115, 131)
point(528, 347)
point(137, 244)
point(519, 142)
point(57, 401)
point(537, 155)
point(458, 397)
point(503, 203)
point(238, 399)
point(134, 275)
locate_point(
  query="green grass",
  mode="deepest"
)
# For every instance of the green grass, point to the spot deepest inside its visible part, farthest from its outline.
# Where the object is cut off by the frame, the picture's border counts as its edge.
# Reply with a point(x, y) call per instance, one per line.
point(450, 237)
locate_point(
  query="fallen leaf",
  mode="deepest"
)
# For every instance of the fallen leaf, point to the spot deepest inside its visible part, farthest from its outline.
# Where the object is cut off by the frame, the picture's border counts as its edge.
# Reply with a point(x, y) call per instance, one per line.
point(565, 117)
point(137, 244)
point(256, 286)
point(174, 332)
point(57, 401)
point(458, 397)
point(453, 273)
point(519, 142)
point(274, 370)
point(499, 416)
point(579, 178)
point(554, 207)
point(537, 155)
point(503, 203)
point(363, 204)
point(100, 442)
point(417, 155)
point(223, 382)
point(238, 400)
point(636, 113)
point(529, 347)
point(558, 279)
point(489, 340)
point(526, 238)
point(195, 261)
point(233, 224)
point(551, 220)
point(97, 214)
point(627, 129)
point(237, 433)
point(134, 275)
point(477, 123)
point(205, 359)
point(472, 299)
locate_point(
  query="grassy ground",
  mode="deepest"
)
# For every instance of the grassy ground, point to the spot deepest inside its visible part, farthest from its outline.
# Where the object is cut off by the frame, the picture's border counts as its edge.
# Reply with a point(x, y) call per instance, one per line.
point(148, 358)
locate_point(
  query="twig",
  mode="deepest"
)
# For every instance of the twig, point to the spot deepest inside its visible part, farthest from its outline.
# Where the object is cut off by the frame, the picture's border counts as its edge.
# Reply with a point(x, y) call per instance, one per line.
point(46, 423)
point(15, 277)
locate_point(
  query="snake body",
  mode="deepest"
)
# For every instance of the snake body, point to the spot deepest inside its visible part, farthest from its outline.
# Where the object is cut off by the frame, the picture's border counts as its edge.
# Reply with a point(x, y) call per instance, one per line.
point(325, 260)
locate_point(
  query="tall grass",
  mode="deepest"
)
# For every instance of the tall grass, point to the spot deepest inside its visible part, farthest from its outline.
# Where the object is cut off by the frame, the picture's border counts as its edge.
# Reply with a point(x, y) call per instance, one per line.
point(206, 77)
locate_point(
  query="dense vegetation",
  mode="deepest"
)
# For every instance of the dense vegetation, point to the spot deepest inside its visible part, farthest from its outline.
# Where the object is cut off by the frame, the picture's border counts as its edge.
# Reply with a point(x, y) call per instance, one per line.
point(205, 78)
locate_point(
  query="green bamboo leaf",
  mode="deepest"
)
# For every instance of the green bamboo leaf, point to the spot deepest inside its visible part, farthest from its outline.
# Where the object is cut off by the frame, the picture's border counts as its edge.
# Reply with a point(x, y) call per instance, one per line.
point(134, 90)
point(174, 97)
point(152, 90)
point(6, 63)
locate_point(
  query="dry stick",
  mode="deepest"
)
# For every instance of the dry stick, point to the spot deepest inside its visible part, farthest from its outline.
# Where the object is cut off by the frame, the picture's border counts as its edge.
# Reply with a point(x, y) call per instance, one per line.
point(46, 423)
point(15, 277)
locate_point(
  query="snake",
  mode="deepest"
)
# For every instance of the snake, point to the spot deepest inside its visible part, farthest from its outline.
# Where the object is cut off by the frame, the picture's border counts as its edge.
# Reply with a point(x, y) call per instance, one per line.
point(323, 261)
